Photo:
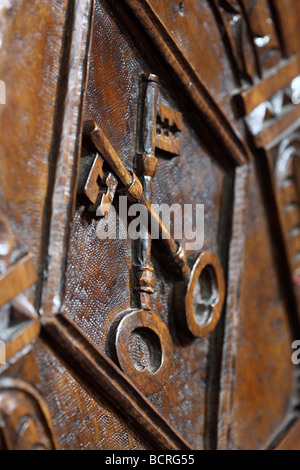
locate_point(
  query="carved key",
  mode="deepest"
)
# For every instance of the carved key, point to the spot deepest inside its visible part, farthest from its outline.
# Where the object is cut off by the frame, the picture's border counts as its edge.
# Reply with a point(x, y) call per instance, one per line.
point(96, 188)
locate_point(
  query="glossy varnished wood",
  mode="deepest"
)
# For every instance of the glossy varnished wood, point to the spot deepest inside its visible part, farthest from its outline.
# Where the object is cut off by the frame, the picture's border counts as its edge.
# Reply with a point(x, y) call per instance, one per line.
point(145, 344)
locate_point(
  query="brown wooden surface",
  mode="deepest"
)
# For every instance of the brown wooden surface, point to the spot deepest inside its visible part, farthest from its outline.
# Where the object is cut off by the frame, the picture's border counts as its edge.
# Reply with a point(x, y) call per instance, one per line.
point(114, 344)
point(291, 440)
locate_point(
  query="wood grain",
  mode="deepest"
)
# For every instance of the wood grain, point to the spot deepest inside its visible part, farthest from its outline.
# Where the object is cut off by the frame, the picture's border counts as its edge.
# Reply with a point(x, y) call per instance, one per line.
point(262, 375)
point(184, 71)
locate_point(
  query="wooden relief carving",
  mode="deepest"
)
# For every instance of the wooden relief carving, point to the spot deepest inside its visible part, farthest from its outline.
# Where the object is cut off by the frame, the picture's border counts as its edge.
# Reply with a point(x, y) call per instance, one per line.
point(263, 32)
point(24, 418)
point(141, 344)
point(269, 81)
point(250, 34)
point(138, 341)
point(201, 100)
point(236, 32)
point(145, 165)
point(279, 79)
point(15, 309)
point(6, 242)
point(133, 188)
point(14, 277)
point(202, 297)
point(268, 98)
point(288, 187)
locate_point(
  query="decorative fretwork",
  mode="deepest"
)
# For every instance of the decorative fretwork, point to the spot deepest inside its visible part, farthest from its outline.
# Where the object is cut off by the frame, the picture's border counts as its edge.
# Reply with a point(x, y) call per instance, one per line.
point(138, 340)
point(169, 125)
point(288, 186)
point(251, 37)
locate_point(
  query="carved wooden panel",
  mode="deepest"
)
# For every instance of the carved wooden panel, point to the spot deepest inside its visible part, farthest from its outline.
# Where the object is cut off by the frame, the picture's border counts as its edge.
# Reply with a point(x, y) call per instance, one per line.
point(121, 343)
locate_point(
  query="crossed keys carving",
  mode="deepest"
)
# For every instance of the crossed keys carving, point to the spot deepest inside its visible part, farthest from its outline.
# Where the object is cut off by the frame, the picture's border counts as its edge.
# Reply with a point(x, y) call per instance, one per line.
point(199, 282)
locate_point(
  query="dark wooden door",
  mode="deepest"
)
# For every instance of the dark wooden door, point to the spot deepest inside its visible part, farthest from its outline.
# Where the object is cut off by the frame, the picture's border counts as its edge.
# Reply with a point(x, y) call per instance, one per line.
point(113, 343)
